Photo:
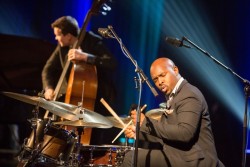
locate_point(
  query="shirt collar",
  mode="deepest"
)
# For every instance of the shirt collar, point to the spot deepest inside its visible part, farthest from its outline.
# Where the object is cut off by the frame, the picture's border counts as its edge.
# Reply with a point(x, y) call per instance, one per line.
point(177, 85)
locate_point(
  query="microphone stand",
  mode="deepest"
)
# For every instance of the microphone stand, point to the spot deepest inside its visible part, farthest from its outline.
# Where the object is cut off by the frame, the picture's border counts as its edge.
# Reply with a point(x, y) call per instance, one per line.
point(247, 94)
point(141, 78)
point(138, 69)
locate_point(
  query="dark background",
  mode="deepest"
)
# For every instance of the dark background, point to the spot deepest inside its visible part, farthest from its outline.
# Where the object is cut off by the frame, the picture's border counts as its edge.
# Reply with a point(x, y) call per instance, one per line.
point(26, 41)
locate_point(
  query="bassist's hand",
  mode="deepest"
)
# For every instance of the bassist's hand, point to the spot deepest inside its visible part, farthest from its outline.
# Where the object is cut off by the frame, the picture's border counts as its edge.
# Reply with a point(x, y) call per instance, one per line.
point(75, 55)
point(49, 94)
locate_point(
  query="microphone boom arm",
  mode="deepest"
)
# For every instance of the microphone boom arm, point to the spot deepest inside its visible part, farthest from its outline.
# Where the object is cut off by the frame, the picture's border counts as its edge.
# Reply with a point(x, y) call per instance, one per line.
point(216, 61)
point(247, 94)
point(138, 69)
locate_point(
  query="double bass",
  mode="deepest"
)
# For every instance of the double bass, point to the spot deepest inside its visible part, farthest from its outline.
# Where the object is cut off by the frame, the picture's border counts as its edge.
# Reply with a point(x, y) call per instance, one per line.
point(80, 73)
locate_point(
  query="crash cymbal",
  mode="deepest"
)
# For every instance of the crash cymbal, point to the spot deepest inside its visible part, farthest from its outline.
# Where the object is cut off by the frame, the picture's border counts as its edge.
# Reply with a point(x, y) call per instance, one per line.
point(56, 108)
point(82, 123)
point(116, 123)
point(155, 113)
point(67, 111)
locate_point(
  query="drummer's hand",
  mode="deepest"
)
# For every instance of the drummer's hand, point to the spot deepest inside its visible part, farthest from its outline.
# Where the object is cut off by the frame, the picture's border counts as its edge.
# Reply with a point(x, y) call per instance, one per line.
point(133, 116)
point(130, 131)
point(49, 94)
point(75, 55)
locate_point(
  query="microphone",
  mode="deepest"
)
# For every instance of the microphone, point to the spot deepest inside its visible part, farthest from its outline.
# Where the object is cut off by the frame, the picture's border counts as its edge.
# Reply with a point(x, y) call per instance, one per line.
point(105, 33)
point(176, 42)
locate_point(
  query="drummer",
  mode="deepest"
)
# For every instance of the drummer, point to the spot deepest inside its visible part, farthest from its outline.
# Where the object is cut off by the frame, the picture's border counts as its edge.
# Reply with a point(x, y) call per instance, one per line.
point(184, 129)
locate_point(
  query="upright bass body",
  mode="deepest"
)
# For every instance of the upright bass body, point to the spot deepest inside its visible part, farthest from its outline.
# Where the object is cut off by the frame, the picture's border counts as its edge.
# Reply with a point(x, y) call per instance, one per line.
point(82, 88)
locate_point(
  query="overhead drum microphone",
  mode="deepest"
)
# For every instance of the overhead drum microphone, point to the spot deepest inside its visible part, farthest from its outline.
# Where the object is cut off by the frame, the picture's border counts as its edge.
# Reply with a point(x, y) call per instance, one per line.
point(176, 42)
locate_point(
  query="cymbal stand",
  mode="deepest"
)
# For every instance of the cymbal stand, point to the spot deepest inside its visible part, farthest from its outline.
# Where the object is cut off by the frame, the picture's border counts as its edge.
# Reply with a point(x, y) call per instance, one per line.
point(80, 105)
point(77, 155)
point(80, 131)
point(33, 122)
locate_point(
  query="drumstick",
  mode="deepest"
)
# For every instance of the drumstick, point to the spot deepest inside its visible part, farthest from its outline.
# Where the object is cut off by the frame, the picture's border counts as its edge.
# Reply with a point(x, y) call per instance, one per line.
point(125, 127)
point(112, 111)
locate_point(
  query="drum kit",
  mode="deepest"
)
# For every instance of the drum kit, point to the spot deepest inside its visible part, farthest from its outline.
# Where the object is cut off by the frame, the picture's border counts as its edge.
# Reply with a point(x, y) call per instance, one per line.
point(51, 145)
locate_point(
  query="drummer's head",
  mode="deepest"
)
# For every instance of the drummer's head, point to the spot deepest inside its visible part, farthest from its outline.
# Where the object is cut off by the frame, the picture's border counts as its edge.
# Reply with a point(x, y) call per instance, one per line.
point(165, 74)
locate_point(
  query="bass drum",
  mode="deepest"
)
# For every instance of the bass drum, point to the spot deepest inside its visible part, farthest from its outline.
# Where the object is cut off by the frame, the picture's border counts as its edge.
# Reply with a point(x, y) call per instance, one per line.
point(102, 156)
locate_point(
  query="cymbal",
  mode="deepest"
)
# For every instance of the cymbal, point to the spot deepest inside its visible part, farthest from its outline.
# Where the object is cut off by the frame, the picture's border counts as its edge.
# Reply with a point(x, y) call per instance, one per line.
point(82, 123)
point(155, 113)
point(87, 117)
point(56, 108)
point(64, 110)
point(116, 123)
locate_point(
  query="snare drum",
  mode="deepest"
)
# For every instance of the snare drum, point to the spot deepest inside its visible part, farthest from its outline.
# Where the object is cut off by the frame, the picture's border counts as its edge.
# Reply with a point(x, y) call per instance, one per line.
point(104, 155)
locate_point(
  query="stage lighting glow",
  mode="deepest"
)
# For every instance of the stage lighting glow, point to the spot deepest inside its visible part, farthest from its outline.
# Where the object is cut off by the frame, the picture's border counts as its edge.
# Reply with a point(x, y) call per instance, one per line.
point(186, 20)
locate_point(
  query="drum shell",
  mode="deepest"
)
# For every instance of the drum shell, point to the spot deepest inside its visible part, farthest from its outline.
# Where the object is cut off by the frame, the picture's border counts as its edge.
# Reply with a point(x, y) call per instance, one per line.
point(58, 144)
point(104, 155)
point(52, 142)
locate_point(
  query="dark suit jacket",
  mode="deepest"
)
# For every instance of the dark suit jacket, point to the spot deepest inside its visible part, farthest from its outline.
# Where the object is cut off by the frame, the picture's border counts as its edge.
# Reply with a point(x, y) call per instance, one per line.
point(105, 63)
point(186, 132)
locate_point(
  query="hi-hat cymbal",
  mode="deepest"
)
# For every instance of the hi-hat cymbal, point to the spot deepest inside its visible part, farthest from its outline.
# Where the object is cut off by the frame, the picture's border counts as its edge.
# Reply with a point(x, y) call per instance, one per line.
point(82, 123)
point(56, 108)
point(155, 113)
point(116, 123)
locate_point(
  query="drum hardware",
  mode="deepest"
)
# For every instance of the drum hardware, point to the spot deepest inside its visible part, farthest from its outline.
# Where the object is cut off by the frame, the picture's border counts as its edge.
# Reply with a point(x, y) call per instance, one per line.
point(103, 155)
point(82, 117)
point(120, 156)
point(33, 122)
point(48, 125)
point(110, 157)
point(75, 156)
point(35, 147)
point(20, 154)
